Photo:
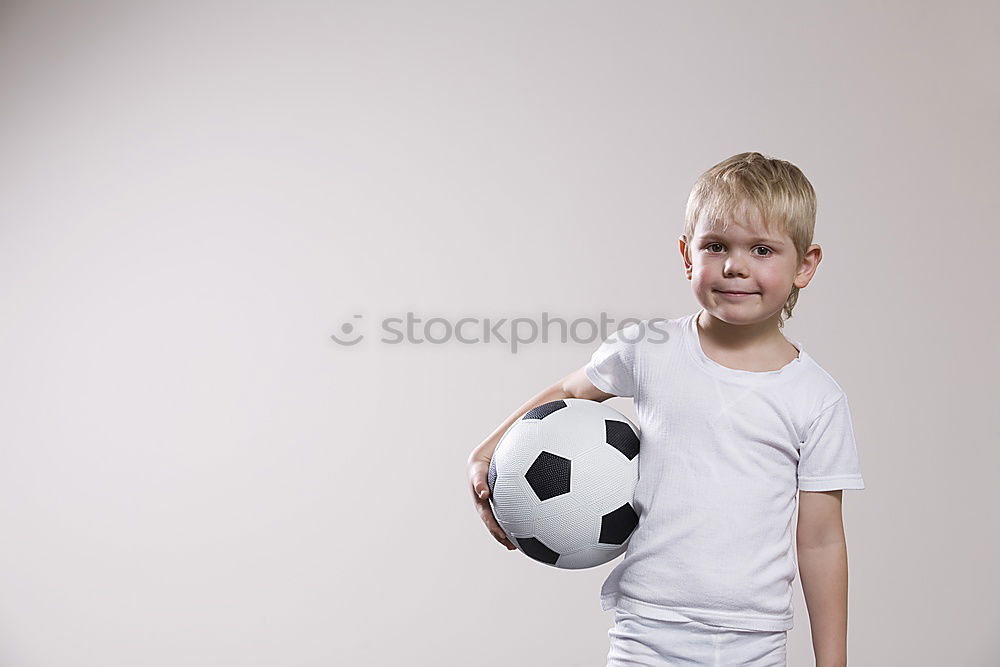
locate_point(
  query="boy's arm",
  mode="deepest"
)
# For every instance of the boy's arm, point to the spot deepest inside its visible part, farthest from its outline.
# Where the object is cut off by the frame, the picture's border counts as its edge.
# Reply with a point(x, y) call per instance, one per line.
point(574, 385)
point(822, 557)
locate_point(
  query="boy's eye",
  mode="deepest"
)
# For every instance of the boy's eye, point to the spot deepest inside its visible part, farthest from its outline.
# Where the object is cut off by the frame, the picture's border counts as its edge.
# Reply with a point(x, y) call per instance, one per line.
point(710, 247)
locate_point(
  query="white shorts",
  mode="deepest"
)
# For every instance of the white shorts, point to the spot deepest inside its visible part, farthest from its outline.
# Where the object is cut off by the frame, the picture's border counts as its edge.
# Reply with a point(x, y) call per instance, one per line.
point(636, 640)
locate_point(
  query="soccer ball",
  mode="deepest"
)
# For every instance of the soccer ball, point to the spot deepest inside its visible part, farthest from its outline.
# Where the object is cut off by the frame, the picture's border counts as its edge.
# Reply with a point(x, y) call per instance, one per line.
point(562, 481)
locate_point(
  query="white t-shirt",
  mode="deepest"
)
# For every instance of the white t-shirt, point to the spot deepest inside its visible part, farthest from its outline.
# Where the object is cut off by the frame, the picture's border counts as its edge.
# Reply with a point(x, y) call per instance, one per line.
point(722, 454)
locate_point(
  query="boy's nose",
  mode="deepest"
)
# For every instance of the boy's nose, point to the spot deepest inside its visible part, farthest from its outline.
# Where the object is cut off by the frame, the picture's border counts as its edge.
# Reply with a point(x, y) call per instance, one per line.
point(734, 267)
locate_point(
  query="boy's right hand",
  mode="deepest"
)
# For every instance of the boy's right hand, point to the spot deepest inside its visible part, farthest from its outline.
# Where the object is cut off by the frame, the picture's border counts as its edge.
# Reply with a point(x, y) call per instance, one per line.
point(478, 469)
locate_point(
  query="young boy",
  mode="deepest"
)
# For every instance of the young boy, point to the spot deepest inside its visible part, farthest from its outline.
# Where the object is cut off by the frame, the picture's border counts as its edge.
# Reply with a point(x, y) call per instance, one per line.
point(735, 419)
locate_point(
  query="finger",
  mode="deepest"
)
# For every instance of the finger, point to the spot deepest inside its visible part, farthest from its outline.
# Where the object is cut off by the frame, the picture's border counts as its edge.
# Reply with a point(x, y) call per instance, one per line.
point(477, 484)
point(477, 471)
point(501, 537)
point(490, 521)
point(480, 489)
point(497, 532)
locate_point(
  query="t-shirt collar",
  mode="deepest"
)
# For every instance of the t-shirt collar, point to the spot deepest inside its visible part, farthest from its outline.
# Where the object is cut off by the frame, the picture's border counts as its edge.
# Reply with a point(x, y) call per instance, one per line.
point(693, 344)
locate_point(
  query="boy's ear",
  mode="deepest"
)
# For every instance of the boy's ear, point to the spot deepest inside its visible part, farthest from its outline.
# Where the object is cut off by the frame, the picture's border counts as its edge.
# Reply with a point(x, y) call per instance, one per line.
point(807, 269)
point(682, 244)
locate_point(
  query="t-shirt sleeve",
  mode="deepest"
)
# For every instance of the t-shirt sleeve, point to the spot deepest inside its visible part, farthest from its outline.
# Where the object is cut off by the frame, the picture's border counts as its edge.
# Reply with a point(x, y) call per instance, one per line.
point(828, 459)
point(612, 366)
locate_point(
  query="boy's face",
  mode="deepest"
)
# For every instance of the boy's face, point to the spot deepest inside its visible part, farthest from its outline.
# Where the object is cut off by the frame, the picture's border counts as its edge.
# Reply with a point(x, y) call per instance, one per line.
point(761, 266)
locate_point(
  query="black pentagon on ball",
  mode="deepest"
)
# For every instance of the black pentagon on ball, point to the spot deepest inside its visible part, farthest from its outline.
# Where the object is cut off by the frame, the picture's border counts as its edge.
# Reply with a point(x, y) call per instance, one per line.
point(621, 436)
point(534, 548)
point(544, 410)
point(548, 476)
point(618, 525)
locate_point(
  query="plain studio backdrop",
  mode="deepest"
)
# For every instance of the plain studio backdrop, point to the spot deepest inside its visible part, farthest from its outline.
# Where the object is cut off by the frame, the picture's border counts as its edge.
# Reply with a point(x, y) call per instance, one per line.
point(194, 197)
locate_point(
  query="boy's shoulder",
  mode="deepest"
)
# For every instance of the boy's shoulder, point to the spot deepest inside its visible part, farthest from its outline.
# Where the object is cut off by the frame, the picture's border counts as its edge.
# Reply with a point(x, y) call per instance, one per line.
point(812, 392)
point(822, 376)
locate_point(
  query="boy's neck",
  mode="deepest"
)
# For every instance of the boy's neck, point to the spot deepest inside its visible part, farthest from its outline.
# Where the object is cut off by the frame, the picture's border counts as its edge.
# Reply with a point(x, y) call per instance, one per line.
point(737, 337)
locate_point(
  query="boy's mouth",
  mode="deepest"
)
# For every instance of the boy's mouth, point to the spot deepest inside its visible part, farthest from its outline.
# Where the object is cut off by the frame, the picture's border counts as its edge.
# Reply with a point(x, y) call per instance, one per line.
point(735, 293)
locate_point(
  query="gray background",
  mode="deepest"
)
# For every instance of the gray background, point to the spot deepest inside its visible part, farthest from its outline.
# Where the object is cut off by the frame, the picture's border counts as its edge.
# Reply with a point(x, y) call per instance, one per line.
point(194, 196)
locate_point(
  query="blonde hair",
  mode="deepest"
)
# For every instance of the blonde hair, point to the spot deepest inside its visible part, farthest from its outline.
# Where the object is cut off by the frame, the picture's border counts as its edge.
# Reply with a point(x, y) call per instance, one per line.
point(758, 190)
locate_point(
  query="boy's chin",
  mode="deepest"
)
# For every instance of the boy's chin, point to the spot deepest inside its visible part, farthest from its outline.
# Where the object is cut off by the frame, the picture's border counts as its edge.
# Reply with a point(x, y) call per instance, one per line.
point(741, 313)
